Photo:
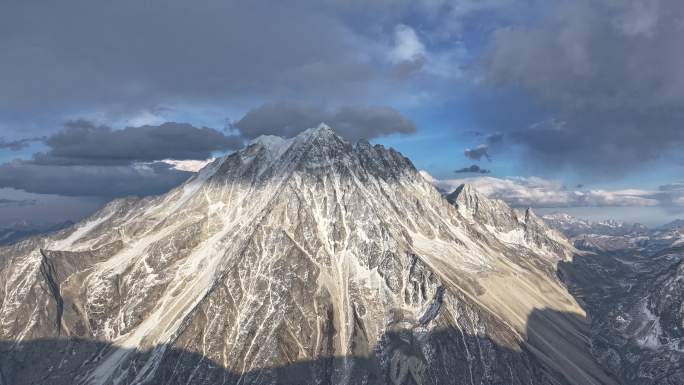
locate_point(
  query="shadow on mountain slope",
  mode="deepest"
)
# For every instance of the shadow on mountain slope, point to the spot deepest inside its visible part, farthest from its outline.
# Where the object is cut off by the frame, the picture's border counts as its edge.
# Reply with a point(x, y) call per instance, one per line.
point(634, 303)
point(412, 356)
point(14, 234)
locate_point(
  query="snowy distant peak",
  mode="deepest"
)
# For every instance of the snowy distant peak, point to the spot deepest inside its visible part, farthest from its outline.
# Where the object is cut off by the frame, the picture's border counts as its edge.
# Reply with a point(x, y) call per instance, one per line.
point(677, 224)
point(565, 222)
point(559, 216)
point(572, 226)
point(615, 224)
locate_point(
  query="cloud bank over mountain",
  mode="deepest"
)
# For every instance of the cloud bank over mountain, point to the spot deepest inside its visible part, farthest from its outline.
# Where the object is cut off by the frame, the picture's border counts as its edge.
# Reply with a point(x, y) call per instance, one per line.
point(133, 100)
point(544, 193)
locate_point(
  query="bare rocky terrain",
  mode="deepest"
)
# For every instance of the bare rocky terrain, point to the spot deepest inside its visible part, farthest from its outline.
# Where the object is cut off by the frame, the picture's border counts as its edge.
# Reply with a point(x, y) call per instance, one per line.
point(307, 260)
point(630, 280)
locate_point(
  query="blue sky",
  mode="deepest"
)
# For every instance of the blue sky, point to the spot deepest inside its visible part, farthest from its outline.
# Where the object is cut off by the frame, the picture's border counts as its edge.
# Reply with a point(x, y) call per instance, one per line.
point(571, 105)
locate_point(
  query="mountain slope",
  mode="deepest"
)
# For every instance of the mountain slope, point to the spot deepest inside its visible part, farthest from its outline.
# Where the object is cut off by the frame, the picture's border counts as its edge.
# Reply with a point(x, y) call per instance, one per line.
point(297, 250)
point(636, 305)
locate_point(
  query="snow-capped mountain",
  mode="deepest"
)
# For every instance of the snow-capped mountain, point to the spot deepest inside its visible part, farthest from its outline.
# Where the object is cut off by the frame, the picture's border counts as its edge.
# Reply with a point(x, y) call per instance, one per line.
point(296, 261)
point(572, 226)
point(611, 235)
point(677, 224)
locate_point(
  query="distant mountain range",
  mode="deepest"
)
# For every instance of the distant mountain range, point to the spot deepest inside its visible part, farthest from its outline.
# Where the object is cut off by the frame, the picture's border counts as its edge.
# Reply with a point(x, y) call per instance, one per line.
point(611, 235)
point(572, 226)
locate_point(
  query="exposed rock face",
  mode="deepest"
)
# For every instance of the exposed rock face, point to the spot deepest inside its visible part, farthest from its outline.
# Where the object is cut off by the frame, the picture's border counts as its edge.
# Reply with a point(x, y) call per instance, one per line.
point(296, 261)
point(636, 303)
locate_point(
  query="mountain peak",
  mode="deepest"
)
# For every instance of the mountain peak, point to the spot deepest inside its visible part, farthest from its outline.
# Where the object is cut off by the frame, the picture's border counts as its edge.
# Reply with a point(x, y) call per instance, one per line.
point(321, 128)
point(464, 190)
point(321, 131)
point(279, 144)
point(273, 143)
point(278, 242)
point(475, 205)
point(467, 196)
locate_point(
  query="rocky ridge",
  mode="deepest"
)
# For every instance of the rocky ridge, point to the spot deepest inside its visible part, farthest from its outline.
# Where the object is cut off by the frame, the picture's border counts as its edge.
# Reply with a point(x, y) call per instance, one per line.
point(301, 260)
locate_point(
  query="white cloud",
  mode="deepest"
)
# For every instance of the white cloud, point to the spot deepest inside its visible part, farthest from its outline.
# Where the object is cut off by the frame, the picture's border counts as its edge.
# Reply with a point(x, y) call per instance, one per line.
point(540, 192)
point(409, 55)
point(145, 118)
point(188, 165)
point(407, 45)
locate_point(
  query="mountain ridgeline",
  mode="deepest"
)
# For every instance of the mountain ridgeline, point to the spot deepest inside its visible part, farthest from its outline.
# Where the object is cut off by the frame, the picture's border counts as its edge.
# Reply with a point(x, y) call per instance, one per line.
point(306, 260)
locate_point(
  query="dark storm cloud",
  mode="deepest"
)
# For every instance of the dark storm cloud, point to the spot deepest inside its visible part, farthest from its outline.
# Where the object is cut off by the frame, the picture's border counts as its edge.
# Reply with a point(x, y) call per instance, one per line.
point(84, 143)
point(102, 181)
point(477, 153)
point(16, 202)
point(16, 145)
point(484, 150)
point(609, 73)
point(352, 122)
point(494, 139)
point(85, 159)
point(473, 169)
point(103, 53)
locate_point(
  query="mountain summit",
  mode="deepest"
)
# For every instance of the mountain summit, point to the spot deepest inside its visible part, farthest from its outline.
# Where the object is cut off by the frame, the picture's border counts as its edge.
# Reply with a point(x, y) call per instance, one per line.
point(307, 260)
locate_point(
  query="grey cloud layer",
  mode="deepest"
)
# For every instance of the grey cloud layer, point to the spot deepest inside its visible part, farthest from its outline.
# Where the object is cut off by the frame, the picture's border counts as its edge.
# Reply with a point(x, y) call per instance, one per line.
point(102, 181)
point(483, 150)
point(605, 73)
point(4, 202)
point(84, 143)
point(477, 153)
point(16, 145)
point(131, 50)
point(473, 169)
point(85, 159)
point(609, 74)
point(120, 58)
point(352, 122)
